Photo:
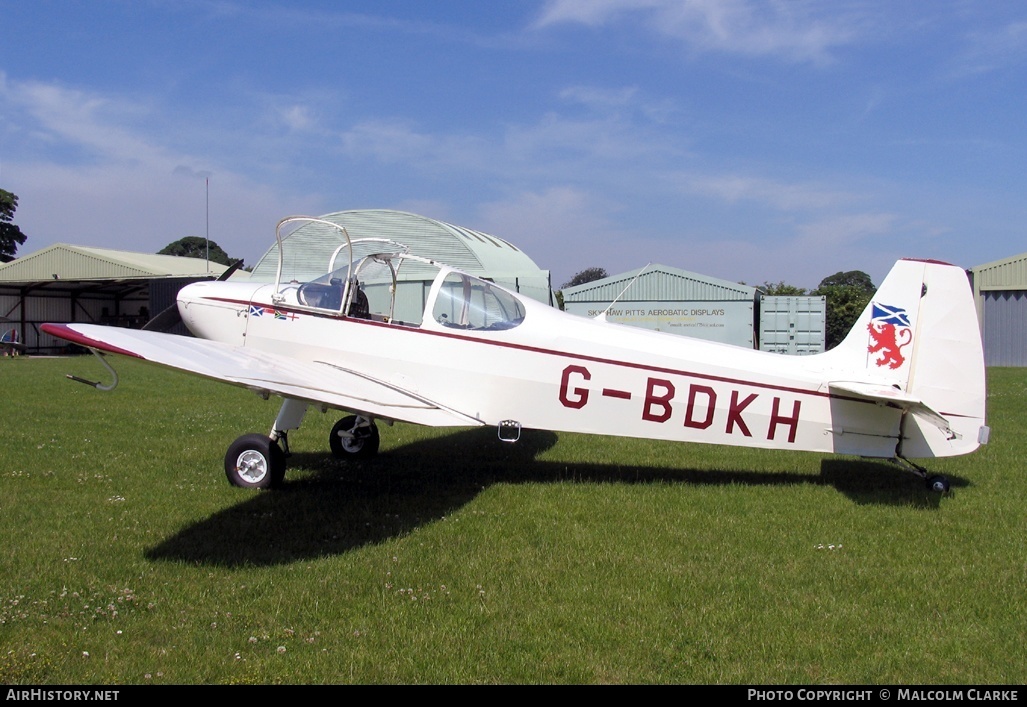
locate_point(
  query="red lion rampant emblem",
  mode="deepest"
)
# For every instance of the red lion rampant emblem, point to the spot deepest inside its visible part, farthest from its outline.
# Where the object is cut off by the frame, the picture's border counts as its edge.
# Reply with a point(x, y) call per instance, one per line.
point(890, 331)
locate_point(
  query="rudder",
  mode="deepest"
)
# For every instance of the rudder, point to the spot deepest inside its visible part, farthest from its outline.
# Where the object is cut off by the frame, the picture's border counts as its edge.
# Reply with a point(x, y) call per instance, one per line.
point(920, 336)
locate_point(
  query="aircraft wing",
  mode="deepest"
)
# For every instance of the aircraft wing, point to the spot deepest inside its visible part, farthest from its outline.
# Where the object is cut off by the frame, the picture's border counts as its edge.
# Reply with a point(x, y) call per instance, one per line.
point(894, 397)
point(311, 381)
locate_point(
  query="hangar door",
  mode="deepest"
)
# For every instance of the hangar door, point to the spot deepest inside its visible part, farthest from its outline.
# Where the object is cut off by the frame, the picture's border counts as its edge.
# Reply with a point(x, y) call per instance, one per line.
point(1005, 328)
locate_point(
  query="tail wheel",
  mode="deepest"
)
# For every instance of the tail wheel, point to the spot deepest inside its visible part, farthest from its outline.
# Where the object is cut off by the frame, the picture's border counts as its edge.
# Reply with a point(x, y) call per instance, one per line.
point(354, 437)
point(254, 461)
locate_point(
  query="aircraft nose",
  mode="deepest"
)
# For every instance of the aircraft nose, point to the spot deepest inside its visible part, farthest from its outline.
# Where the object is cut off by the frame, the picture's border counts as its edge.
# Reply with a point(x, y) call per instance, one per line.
point(210, 309)
point(191, 293)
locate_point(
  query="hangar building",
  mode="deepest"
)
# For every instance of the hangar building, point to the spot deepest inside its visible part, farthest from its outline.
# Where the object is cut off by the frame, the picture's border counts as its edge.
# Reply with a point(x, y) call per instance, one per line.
point(1000, 288)
point(676, 301)
point(68, 283)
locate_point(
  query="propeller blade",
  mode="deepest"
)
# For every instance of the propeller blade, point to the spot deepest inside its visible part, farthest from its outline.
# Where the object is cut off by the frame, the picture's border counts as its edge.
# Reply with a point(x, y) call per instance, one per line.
point(165, 320)
point(231, 271)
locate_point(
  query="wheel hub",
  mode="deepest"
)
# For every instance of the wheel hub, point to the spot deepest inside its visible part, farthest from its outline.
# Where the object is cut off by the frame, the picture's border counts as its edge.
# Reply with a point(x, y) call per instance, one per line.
point(252, 466)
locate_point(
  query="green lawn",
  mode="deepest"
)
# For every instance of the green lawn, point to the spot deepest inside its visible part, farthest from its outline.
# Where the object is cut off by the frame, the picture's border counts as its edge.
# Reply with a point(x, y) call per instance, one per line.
point(454, 558)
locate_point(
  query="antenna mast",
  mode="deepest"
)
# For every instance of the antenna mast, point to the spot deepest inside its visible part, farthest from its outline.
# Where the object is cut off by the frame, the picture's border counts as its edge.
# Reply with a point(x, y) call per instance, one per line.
point(207, 190)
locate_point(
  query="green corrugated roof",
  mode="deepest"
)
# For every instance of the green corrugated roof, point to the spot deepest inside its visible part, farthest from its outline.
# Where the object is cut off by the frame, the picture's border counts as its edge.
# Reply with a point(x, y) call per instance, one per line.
point(1006, 274)
point(71, 262)
point(658, 283)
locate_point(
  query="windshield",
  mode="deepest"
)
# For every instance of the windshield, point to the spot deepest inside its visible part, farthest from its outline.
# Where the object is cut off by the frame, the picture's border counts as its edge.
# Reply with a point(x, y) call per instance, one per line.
point(465, 302)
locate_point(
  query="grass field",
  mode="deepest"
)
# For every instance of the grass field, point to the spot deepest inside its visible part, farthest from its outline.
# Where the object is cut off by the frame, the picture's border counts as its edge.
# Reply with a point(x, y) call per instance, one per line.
point(452, 558)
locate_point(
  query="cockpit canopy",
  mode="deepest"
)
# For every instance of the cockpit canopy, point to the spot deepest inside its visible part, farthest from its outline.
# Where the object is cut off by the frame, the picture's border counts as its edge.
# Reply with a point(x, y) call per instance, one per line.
point(309, 245)
point(376, 278)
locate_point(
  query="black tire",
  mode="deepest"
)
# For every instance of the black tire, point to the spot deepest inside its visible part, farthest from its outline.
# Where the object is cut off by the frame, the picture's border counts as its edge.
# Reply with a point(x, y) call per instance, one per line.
point(255, 462)
point(938, 484)
point(362, 444)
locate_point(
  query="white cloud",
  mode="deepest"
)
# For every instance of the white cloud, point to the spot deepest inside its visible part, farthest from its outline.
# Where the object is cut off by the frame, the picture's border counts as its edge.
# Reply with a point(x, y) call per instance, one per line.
point(589, 144)
point(789, 30)
point(135, 208)
point(90, 123)
point(567, 229)
point(775, 260)
point(563, 229)
point(399, 141)
point(93, 170)
point(846, 230)
point(389, 141)
point(626, 102)
point(297, 118)
point(775, 194)
point(592, 12)
point(600, 98)
point(994, 49)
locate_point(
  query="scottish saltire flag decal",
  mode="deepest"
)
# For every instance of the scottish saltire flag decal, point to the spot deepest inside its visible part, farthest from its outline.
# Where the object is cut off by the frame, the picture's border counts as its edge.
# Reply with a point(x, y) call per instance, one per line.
point(890, 331)
point(258, 311)
point(890, 315)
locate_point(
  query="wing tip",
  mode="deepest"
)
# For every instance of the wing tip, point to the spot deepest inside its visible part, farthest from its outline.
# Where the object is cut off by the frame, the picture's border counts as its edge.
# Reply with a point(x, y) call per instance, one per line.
point(64, 331)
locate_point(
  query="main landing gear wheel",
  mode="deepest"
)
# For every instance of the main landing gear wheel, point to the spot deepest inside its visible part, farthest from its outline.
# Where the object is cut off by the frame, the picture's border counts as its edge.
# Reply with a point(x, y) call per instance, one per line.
point(254, 461)
point(354, 437)
point(938, 483)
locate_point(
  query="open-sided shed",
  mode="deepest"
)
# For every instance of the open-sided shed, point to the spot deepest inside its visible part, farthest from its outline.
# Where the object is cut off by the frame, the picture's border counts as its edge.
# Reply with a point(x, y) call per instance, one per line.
point(69, 283)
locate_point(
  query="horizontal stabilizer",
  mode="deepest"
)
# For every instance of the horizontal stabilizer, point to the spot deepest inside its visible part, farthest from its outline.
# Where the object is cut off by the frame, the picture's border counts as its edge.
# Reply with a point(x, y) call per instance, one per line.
point(893, 397)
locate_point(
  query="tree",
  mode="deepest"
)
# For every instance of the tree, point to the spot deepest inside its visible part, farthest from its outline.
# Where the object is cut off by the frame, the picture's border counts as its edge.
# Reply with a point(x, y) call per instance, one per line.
point(10, 235)
point(196, 247)
point(782, 289)
point(586, 275)
point(847, 295)
point(852, 278)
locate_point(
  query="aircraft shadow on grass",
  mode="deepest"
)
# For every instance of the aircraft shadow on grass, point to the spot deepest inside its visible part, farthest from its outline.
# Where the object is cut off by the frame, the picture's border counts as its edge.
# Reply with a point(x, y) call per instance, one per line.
point(339, 506)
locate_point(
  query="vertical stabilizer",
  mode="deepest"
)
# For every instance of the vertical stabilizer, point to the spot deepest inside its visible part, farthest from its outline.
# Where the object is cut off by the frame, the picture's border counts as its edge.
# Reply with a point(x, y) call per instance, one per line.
point(919, 336)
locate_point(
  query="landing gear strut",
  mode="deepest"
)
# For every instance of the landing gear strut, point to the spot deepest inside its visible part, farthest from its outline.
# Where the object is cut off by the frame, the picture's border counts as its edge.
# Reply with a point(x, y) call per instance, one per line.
point(935, 482)
point(257, 461)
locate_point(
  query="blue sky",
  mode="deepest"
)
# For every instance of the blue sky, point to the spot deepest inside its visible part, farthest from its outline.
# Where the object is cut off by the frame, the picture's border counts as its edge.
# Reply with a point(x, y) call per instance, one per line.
point(751, 141)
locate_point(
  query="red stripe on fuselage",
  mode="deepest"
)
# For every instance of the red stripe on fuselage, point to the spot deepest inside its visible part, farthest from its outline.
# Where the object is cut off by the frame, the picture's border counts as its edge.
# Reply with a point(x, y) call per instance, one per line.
point(551, 352)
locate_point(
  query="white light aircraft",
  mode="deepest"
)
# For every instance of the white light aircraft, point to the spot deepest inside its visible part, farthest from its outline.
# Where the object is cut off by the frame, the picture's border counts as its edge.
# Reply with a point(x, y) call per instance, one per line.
point(908, 381)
